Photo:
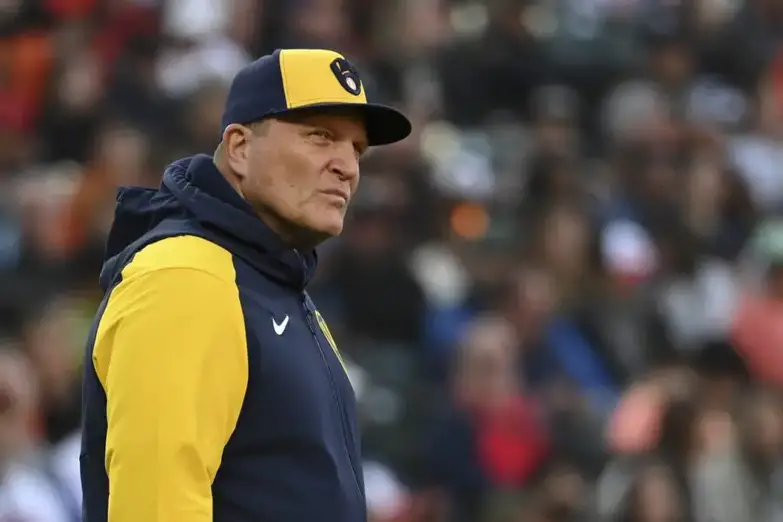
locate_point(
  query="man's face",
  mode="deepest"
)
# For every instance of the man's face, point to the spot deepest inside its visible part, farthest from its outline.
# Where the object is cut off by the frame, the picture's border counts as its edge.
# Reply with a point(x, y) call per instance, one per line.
point(300, 172)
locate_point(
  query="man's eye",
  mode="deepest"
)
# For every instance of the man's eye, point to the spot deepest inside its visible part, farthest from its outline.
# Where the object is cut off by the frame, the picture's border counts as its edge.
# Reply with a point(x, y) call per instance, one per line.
point(320, 134)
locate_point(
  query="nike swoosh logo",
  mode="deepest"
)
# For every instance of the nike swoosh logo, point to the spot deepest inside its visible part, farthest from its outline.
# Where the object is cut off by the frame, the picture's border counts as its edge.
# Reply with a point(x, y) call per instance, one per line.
point(280, 328)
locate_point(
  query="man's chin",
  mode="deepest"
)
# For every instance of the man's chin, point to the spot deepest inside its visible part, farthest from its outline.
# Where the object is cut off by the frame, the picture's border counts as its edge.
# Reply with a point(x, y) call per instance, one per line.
point(329, 221)
point(330, 229)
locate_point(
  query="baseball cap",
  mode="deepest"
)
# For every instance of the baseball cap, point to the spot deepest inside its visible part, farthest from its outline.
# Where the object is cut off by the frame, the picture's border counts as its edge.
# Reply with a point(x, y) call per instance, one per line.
point(290, 80)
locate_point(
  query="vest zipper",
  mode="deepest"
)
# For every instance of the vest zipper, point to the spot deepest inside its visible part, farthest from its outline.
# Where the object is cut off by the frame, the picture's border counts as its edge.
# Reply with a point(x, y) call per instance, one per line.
point(309, 309)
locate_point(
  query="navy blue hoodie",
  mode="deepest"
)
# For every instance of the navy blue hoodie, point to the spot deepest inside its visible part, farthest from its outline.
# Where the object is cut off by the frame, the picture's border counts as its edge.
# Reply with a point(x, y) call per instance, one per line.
point(213, 390)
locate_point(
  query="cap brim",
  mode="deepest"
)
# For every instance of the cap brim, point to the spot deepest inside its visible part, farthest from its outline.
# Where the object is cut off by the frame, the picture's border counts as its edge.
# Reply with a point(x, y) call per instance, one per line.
point(385, 125)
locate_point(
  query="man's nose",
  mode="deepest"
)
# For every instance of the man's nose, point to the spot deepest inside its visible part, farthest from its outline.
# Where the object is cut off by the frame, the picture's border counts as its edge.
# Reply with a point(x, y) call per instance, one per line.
point(345, 164)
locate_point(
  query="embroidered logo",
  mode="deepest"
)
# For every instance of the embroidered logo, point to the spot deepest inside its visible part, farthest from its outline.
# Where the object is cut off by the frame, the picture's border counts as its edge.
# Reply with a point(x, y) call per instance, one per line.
point(347, 75)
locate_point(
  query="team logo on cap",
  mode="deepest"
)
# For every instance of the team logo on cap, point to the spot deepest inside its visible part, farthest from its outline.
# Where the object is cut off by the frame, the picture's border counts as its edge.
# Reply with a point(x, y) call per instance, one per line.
point(347, 75)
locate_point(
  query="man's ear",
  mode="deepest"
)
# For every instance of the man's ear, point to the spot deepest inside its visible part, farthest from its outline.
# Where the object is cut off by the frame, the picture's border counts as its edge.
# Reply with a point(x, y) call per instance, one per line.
point(236, 148)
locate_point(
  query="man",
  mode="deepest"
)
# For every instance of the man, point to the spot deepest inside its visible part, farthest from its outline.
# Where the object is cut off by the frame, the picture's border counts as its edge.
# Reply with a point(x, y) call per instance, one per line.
point(213, 390)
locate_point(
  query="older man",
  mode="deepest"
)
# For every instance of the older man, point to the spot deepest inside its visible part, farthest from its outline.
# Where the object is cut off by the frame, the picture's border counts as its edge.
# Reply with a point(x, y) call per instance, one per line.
point(213, 390)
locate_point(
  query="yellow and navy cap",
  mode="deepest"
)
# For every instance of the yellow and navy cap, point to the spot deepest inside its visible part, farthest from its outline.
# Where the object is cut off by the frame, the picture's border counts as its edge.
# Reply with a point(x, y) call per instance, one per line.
point(295, 79)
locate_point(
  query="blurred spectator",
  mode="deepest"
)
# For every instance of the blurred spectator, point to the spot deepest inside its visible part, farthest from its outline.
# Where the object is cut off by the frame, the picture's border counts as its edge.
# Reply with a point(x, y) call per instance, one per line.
point(755, 327)
point(654, 497)
point(738, 479)
point(52, 347)
point(30, 490)
point(492, 435)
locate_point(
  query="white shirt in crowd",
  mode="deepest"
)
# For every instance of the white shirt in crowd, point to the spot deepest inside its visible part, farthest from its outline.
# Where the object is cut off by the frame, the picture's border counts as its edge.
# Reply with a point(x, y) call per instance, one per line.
point(26, 495)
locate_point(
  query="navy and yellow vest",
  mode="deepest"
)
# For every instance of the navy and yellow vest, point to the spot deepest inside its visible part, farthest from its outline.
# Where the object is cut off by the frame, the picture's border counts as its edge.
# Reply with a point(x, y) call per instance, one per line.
point(213, 390)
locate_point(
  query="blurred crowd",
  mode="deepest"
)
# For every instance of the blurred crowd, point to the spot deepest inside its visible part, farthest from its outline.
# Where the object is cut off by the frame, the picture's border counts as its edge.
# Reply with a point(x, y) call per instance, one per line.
point(561, 298)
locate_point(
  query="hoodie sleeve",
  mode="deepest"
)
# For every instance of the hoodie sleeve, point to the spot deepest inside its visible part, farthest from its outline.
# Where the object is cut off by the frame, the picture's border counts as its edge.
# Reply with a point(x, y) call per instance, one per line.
point(171, 355)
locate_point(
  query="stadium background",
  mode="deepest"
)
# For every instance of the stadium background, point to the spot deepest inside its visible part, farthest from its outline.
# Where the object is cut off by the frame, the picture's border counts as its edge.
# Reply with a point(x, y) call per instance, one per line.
point(561, 298)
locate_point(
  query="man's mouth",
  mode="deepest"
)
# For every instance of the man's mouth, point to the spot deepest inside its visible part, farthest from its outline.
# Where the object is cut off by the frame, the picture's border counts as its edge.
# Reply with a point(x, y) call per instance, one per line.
point(337, 193)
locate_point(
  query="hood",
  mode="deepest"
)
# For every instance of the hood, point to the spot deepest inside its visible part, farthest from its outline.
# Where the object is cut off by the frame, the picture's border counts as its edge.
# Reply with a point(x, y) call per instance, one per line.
point(193, 190)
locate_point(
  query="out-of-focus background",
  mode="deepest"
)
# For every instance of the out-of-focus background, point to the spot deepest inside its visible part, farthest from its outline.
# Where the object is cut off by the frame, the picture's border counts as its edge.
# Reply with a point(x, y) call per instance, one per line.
point(561, 298)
